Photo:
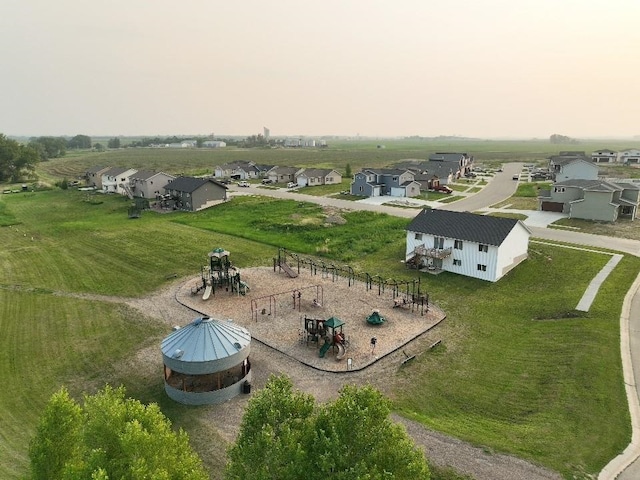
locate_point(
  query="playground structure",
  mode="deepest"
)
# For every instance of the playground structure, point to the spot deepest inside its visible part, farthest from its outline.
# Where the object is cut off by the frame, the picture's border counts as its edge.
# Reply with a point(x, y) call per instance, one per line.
point(405, 293)
point(276, 319)
point(330, 331)
point(218, 274)
point(296, 296)
point(334, 338)
point(375, 318)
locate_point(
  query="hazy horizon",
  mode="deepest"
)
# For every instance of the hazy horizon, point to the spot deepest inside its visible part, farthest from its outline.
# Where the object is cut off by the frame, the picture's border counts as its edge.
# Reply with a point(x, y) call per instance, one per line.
point(486, 70)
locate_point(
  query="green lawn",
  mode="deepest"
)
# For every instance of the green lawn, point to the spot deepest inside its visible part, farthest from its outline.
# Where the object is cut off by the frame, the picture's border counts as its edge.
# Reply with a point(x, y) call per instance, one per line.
point(517, 372)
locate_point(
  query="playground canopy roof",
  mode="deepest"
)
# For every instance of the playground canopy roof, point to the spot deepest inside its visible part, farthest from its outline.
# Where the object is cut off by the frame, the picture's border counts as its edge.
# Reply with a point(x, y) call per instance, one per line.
point(218, 252)
point(333, 322)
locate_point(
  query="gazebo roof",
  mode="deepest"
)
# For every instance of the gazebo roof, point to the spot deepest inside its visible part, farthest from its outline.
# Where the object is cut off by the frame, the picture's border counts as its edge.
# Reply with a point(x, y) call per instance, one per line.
point(205, 340)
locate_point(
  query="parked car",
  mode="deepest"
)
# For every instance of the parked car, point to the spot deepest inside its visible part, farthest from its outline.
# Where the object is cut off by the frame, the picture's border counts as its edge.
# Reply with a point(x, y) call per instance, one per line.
point(442, 189)
point(292, 185)
point(470, 175)
point(243, 183)
point(267, 181)
point(516, 177)
point(540, 175)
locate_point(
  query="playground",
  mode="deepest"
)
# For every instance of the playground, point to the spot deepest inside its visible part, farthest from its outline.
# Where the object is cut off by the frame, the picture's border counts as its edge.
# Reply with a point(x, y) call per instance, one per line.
point(319, 320)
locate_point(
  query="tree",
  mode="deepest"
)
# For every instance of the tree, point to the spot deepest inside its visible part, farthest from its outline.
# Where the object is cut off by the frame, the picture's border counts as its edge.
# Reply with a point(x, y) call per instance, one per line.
point(110, 436)
point(285, 435)
point(16, 160)
point(113, 142)
point(268, 445)
point(79, 141)
point(49, 147)
point(347, 171)
point(57, 435)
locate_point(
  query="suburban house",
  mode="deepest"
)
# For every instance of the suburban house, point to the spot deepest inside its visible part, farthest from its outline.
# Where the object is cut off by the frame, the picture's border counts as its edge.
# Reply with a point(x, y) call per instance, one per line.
point(93, 176)
point(310, 177)
point(373, 182)
point(432, 173)
point(598, 200)
point(241, 170)
point(572, 166)
point(464, 161)
point(147, 184)
point(477, 246)
point(116, 180)
point(283, 174)
point(604, 156)
point(630, 157)
point(193, 194)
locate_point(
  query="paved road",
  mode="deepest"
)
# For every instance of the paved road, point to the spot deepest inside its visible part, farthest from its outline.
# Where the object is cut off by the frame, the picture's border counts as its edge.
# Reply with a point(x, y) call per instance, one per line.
point(501, 187)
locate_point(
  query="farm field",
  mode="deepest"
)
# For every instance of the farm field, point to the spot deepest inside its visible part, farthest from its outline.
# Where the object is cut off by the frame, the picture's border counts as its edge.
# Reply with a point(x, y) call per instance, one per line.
point(518, 370)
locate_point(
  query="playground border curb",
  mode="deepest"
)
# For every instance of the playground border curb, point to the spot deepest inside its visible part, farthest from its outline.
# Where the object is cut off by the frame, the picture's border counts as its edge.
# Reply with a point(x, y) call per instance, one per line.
point(314, 367)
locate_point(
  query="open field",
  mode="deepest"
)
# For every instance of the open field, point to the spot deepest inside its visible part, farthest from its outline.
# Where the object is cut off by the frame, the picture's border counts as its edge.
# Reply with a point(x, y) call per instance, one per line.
point(523, 376)
point(356, 153)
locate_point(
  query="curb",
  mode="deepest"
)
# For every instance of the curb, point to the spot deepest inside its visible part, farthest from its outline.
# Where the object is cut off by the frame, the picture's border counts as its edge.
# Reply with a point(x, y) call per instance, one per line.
point(616, 466)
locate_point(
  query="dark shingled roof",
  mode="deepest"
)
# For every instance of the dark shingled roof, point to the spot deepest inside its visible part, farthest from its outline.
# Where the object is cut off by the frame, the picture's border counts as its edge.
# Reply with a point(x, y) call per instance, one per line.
point(190, 184)
point(463, 226)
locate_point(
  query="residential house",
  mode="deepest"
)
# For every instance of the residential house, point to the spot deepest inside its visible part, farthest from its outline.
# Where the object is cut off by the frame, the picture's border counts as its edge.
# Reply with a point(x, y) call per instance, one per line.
point(241, 170)
point(598, 200)
point(478, 246)
point(193, 194)
point(604, 156)
point(147, 184)
point(629, 157)
point(572, 166)
point(116, 180)
point(432, 173)
point(310, 177)
point(375, 182)
point(283, 174)
point(93, 176)
point(464, 161)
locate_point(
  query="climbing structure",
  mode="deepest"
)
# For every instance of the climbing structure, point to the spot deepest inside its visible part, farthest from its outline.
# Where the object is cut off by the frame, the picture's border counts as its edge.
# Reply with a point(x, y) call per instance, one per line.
point(220, 274)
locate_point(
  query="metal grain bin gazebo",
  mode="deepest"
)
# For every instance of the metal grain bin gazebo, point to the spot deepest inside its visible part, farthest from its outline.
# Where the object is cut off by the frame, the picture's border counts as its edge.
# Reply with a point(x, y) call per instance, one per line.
point(206, 362)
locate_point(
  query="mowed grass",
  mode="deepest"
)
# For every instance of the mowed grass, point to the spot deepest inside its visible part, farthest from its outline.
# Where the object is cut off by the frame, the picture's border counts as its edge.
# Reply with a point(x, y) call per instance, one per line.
point(521, 372)
point(516, 372)
point(48, 341)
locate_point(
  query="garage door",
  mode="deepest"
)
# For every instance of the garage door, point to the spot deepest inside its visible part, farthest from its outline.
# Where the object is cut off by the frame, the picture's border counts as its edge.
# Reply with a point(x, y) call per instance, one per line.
point(552, 207)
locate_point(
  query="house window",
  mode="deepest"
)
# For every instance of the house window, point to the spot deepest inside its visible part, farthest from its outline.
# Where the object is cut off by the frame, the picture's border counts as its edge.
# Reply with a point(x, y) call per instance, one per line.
point(438, 242)
point(482, 268)
point(483, 248)
point(418, 236)
point(361, 188)
point(457, 262)
point(395, 179)
point(457, 244)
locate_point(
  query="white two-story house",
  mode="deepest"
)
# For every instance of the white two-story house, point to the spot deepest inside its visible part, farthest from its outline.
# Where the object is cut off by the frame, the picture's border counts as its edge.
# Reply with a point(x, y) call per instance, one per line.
point(473, 245)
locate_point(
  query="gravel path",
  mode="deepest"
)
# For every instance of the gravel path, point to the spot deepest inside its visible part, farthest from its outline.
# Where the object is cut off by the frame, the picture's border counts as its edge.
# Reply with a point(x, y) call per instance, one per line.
point(323, 385)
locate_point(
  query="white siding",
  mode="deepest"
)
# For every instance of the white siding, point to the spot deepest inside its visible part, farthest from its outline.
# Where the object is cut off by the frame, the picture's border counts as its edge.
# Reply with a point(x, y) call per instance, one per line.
point(498, 260)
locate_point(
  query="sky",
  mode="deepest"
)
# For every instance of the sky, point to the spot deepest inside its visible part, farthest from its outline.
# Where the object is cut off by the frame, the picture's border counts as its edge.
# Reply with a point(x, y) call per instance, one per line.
point(475, 68)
